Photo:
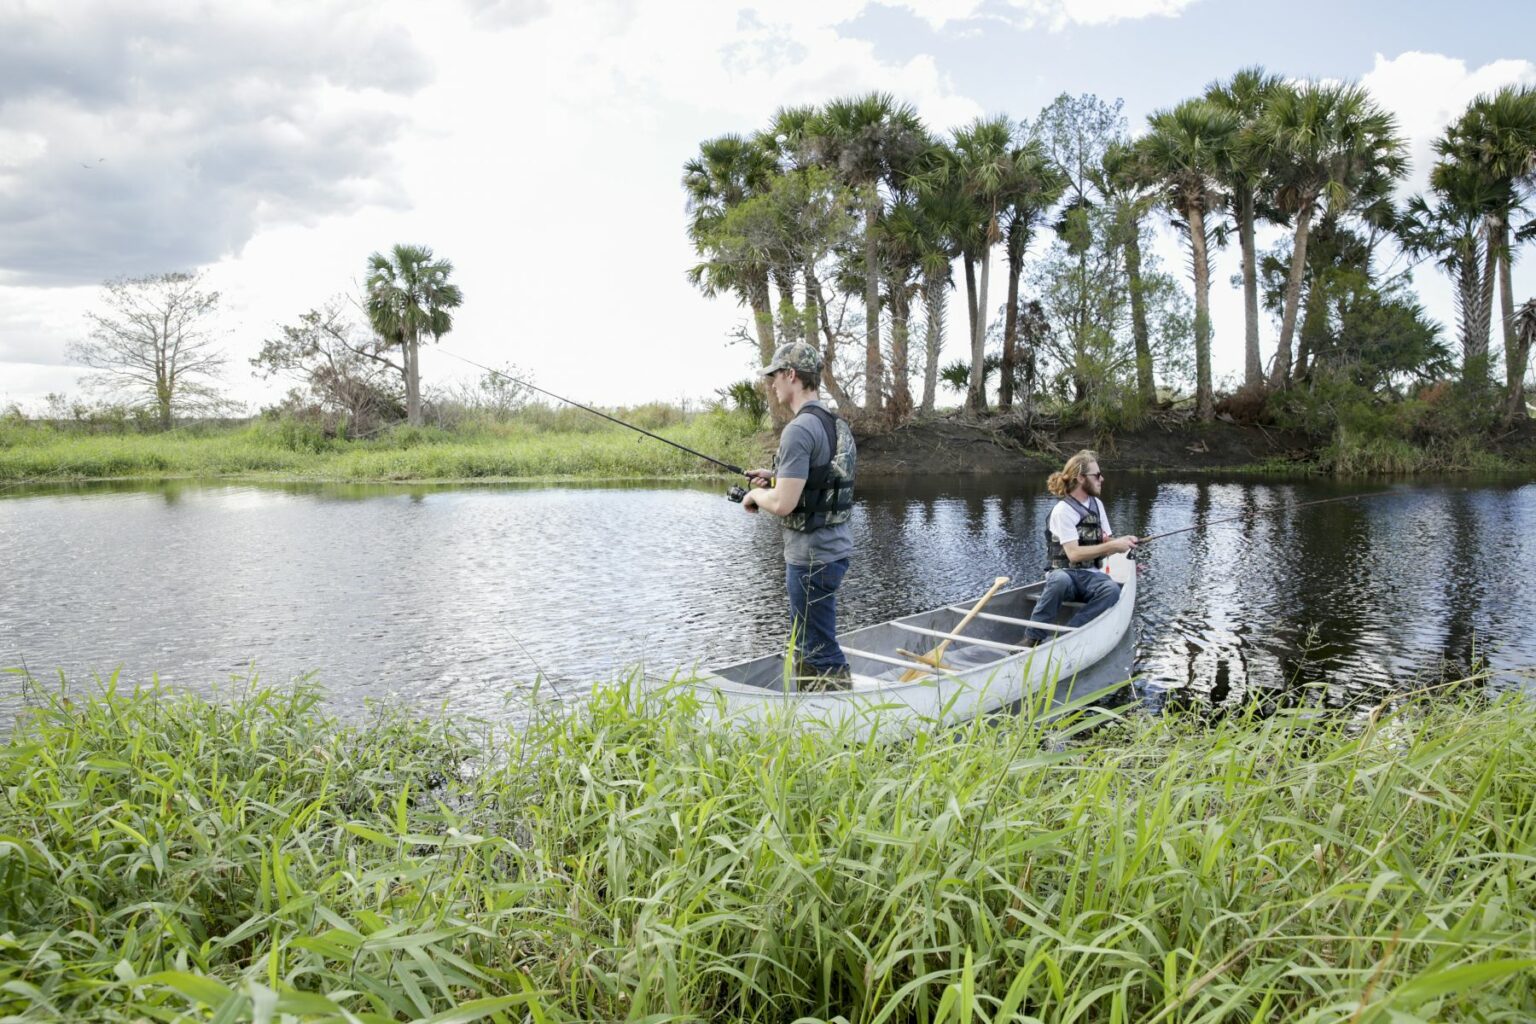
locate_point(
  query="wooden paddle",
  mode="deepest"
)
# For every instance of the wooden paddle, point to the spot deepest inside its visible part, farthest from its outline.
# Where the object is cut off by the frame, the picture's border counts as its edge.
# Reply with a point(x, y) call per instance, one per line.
point(935, 656)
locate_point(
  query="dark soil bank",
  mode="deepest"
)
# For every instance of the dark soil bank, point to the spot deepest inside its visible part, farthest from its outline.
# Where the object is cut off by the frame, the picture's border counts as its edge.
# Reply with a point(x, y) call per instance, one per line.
point(964, 446)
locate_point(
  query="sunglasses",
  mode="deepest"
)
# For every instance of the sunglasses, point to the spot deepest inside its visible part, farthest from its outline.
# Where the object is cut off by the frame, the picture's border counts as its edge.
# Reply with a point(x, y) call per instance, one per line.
point(1098, 476)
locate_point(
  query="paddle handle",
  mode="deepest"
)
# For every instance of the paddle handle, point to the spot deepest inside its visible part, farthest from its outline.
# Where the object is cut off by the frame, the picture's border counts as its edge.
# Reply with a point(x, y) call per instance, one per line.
point(998, 584)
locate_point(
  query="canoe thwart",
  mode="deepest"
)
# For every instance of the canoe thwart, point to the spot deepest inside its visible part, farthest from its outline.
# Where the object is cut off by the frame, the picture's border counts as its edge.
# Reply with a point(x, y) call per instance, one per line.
point(1010, 620)
point(993, 644)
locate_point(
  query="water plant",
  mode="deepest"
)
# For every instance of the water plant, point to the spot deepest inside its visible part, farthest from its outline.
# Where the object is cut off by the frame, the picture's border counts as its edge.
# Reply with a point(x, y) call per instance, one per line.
point(251, 857)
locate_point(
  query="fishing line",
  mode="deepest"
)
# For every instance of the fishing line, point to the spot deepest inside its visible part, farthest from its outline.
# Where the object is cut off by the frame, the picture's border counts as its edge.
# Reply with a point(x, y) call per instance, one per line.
point(735, 470)
point(1244, 515)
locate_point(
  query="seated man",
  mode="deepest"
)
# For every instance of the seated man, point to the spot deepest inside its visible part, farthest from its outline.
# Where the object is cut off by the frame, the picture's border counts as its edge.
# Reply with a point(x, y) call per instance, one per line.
point(1077, 541)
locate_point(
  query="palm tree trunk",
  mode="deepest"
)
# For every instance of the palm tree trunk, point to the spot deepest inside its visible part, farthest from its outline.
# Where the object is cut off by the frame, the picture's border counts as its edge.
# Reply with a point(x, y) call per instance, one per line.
point(1281, 371)
point(901, 389)
point(1484, 323)
point(1010, 330)
point(1514, 353)
point(1468, 292)
point(970, 290)
point(1253, 366)
point(872, 361)
point(933, 343)
point(1146, 387)
point(412, 382)
point(1204, 400)
point(976, 399)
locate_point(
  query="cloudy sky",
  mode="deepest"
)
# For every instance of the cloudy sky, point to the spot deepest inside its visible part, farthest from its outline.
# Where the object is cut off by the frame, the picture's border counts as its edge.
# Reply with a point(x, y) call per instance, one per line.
point(539, 146)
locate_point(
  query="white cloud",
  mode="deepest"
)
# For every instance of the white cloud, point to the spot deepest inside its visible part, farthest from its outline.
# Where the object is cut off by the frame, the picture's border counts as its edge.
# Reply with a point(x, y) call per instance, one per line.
point(538, 146)
point(1427, 91)
point(1055, 14)
point(158, 139)
point(1107, 12)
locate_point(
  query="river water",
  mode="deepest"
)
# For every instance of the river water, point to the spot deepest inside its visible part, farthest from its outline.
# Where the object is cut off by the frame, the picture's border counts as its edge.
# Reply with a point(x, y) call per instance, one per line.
point(460, 596)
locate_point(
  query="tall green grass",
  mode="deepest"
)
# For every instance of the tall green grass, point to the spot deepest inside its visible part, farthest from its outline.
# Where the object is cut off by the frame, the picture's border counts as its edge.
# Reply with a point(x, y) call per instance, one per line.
point(165, 858)
point(543, 446)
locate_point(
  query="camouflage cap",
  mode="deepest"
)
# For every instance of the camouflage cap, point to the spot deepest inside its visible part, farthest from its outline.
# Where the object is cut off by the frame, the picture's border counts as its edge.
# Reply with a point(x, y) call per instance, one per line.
point(797, 355)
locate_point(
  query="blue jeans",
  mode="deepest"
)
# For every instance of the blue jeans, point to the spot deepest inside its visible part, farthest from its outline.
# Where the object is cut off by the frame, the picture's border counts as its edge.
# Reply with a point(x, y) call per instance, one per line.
point(813, 612)
point(1095, 589)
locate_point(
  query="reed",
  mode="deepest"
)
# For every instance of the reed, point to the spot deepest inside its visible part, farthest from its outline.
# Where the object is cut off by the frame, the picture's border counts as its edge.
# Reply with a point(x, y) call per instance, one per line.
point(168, 857)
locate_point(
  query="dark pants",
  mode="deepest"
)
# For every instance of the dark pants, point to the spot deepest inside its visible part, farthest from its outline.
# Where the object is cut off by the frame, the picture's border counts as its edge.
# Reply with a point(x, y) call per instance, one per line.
point(813, 612)
point(1095, 589)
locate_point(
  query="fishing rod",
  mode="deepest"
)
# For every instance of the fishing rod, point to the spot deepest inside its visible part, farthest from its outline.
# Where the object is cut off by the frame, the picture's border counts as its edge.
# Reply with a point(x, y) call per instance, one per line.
point(736, 493)
point(1243, 515)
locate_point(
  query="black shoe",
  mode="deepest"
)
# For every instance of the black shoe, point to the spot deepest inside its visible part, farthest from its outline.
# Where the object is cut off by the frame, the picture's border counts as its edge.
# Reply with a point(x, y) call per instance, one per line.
point(832, 679)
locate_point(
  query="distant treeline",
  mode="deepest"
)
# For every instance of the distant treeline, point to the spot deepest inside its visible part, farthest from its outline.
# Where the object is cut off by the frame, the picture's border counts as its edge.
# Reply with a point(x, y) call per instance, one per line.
point(856, 218)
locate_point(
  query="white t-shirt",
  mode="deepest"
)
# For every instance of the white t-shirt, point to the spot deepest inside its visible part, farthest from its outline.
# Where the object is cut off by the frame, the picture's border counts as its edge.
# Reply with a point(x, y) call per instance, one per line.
point(1063, 523)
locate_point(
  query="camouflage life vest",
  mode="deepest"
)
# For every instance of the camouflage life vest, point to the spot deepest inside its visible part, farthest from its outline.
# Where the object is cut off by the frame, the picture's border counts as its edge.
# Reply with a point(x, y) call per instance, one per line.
point(1090, 530)
point(828, 496)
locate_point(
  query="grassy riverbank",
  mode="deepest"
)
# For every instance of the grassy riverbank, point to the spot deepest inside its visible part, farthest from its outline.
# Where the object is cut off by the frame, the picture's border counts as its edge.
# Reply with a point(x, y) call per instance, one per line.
point(167, 858)
point(555, 444)
point(566, 444)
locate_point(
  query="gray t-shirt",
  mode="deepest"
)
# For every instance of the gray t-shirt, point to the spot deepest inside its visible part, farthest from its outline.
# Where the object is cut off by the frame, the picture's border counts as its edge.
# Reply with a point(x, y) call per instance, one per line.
point(803, 445)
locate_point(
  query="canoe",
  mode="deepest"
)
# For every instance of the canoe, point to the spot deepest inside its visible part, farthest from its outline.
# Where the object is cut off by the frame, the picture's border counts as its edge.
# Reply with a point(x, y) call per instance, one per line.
point(987, 666)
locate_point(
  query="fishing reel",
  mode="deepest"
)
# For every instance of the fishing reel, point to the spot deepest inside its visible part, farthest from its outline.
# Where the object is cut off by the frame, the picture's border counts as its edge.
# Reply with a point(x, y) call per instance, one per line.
point(736, 493)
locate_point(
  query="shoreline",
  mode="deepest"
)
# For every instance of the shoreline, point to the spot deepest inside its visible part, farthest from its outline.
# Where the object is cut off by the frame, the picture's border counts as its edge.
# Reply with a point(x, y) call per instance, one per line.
point(923, 449)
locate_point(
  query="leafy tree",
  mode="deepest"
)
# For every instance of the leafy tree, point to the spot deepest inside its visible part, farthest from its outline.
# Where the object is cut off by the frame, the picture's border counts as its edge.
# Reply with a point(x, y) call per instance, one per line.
point(1186, 148)
point(154, 345)
point(1245, 176)
point(793, 224)
point(341, 369)
point(1077, 131)
point(408, 295)
point(1328, 142)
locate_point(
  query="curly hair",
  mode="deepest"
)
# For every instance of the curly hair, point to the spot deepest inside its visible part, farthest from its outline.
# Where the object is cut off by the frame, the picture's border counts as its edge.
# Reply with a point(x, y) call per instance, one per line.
point(1063, 483)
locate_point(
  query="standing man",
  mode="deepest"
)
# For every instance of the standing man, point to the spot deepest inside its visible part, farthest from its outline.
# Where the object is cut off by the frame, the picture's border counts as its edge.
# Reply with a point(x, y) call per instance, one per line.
point(1077, 540)
point(811, 491)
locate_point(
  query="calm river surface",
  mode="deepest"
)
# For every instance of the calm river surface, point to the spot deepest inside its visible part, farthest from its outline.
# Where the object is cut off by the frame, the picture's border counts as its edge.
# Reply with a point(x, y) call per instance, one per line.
point(458, 596)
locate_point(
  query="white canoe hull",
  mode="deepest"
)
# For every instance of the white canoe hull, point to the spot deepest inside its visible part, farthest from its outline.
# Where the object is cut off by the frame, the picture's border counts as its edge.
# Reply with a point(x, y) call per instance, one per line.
point(988, 670)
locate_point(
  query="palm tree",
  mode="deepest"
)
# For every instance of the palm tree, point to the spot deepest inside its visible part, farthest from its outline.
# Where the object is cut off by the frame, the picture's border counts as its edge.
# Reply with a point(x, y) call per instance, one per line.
point(408, 295)
point(1128, 189)
point(1326, 141)
point(991, 170)
point(1186, 149)
point(728, 171)
point(942, 214)
point(1525, 337)
point(1243, 175)
point(1449, 225)
point(869, 141)
point(1496, 137)
point(1037, 185)
point(902, 247)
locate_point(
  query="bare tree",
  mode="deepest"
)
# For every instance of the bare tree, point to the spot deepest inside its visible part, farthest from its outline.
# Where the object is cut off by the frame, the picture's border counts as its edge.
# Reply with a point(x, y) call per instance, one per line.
point(345, 369)
point(154, 343)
